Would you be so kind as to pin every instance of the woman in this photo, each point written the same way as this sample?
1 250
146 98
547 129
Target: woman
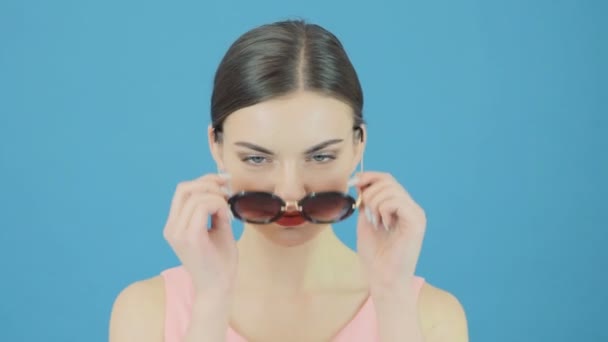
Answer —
287 126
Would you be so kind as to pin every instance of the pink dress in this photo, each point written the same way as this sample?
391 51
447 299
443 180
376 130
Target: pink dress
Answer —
179 299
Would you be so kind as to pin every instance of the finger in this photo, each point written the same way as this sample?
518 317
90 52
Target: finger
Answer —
210 200
365 179
221 228
196 232
183 196
208 183
374 203
207 206
401 211
384 183
197 228
388 211
375 188
371 192
177 227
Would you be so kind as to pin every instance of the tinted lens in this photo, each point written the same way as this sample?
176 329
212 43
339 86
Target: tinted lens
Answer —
256 207
327 207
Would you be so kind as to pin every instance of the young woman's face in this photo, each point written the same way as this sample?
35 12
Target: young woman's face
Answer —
290 146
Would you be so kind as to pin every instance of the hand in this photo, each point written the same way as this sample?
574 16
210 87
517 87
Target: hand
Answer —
210 256
390 230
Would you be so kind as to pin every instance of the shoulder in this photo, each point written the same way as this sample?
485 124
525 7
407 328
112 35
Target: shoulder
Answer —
136 309
442 315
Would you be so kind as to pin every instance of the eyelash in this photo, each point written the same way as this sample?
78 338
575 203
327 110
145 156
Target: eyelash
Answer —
326 157
249 159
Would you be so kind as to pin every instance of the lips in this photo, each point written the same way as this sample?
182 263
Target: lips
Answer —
290 220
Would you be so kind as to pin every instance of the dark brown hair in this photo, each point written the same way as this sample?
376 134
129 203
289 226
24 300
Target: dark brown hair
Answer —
277 59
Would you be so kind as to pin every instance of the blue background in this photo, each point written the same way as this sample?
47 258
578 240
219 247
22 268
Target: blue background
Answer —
492 114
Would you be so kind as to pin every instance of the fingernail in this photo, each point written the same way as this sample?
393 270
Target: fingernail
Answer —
225 175
385 226
352 181
230 216
371 218
226 191
368 215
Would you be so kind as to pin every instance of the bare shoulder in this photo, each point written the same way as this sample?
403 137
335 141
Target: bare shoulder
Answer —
138 312
442 315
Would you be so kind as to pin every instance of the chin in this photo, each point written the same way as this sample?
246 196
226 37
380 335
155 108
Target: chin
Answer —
290 236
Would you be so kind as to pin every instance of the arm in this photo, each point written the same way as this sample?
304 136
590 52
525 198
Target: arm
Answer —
210 312
397 314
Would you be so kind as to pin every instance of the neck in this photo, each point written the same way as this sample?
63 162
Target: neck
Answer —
321 264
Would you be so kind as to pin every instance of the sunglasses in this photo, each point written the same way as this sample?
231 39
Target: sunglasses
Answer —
317 207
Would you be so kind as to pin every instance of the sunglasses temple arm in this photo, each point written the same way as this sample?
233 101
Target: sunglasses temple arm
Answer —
358 202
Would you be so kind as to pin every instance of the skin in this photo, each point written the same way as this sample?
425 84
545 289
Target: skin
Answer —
309 282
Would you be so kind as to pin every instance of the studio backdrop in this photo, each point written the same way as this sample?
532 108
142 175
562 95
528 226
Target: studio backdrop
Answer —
492 114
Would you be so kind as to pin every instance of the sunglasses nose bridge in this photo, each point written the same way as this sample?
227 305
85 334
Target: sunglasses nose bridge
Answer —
291 206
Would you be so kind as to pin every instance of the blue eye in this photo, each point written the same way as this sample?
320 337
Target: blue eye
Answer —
322 158
255 160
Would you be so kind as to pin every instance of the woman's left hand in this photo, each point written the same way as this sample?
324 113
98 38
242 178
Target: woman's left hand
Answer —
390 230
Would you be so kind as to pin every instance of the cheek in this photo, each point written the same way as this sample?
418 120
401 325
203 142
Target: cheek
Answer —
244 178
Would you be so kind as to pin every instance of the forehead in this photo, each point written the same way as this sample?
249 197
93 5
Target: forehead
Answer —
303 117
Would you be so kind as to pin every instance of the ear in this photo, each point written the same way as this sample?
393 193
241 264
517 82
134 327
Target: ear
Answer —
215 146
360 144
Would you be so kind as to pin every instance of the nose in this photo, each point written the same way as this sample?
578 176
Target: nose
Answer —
289 185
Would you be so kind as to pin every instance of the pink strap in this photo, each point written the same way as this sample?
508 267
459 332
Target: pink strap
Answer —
364 327
179 296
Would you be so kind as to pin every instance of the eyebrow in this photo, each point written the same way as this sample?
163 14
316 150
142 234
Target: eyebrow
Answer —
323 145
313 149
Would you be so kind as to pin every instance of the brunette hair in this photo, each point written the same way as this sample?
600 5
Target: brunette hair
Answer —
276 59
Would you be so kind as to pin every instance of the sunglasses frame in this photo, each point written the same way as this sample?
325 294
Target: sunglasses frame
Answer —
296 205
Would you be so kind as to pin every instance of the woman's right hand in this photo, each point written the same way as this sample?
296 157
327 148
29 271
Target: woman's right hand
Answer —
209 255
